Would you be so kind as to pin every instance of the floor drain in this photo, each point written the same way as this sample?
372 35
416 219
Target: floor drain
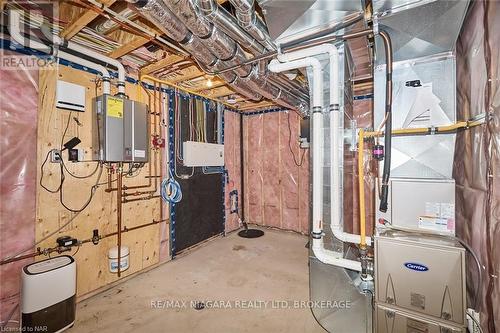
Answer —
199 306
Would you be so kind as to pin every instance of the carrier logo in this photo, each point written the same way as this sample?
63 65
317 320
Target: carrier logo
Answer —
416 267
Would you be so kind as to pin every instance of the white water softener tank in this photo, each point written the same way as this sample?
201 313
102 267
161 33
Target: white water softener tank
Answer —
113 259
48 295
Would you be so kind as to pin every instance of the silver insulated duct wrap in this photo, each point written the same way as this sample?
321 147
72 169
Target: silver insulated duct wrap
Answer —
249 21
187 22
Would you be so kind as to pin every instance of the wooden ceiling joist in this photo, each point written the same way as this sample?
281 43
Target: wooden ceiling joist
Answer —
81 21
188 74
255 106
165 62
220 92
128 47
203 86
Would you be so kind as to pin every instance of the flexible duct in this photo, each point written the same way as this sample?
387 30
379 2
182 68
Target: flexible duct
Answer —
249 21
218 44
225 21
161 16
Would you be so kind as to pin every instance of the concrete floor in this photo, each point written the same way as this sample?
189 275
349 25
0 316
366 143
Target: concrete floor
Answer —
238 275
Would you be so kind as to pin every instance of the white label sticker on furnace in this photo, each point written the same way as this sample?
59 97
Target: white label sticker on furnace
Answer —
139 153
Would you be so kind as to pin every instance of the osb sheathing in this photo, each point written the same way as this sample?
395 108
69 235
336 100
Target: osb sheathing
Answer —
232 161
477 155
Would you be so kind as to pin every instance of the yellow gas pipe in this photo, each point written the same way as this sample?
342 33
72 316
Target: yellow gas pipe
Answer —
404 131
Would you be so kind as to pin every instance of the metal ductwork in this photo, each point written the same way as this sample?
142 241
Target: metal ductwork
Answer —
226 22
251 22
187 22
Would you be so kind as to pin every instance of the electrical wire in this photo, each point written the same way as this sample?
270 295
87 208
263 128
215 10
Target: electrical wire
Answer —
43 239
299 164
170 189
475 322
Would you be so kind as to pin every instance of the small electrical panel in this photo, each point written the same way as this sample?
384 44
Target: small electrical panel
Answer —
203 154
121 130
304 139
70 96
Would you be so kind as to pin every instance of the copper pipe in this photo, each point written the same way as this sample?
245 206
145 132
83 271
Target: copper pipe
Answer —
60 249
119 214
141 199
125 229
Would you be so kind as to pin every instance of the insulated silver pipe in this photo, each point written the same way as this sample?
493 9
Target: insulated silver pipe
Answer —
251 22
225 21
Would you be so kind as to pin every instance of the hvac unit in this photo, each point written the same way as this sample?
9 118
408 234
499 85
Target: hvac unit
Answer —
48 295
121 130
423 276
421 205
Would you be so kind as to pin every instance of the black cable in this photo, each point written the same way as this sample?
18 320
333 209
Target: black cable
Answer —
299 164
384 195
78 176
41 176
91 196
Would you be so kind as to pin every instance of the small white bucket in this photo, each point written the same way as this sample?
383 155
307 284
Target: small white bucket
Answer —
113 259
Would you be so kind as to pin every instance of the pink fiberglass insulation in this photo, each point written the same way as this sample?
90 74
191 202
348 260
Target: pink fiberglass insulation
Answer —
18 128
276 189
232 162
477 154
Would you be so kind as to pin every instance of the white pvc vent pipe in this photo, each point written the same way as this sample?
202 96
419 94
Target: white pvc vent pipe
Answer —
300 59
15 33
336 227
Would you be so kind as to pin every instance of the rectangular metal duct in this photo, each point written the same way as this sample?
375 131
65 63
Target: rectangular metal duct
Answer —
292 19
419 28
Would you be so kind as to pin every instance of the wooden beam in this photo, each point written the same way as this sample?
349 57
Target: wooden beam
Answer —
188 74
81 21
165 62
203 86
220 92
255 106
128 47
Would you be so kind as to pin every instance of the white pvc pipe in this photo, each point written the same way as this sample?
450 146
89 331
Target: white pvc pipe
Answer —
336 227
322 254
15 33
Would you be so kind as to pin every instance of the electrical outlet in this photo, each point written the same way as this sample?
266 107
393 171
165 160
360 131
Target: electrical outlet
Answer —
471 325
55 156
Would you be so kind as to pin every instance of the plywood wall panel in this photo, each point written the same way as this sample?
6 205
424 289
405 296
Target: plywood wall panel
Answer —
101 213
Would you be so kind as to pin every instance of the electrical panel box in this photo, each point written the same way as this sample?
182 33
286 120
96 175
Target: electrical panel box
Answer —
421 274
393 320
421 204
70 96
121 130
202 154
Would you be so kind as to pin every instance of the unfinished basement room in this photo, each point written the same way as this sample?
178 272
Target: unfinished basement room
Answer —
250 166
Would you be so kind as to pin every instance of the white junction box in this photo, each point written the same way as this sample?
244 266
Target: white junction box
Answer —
70 96
202 154
421 204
